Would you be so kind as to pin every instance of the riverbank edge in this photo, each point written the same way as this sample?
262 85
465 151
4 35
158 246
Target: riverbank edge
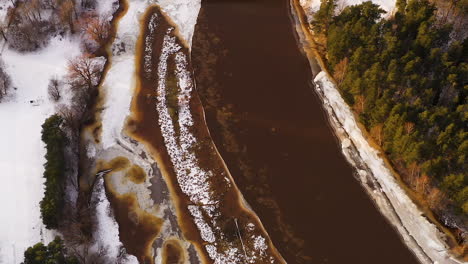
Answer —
368 180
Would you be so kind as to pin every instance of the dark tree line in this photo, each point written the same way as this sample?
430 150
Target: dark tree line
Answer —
54 172
407 79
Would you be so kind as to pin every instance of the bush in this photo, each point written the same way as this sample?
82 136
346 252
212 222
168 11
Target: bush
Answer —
54 173
53 253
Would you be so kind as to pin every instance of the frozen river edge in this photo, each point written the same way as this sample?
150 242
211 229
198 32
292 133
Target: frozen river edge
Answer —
421 236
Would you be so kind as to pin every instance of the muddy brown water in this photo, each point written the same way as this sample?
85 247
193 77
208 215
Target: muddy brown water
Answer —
144 127
272 132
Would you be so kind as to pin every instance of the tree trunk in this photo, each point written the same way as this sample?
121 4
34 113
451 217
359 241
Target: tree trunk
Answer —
3 35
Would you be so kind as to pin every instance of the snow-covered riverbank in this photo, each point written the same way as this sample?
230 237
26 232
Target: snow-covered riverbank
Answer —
424 238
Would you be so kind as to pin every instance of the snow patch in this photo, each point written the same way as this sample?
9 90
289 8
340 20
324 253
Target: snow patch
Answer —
184 13
107 230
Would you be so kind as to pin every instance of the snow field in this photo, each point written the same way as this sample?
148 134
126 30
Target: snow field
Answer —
22 151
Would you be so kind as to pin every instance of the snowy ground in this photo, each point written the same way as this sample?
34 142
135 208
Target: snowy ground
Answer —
22 152
184 14
107 229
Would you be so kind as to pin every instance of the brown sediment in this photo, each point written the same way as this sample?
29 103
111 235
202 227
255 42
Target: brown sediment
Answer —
173 253
116 164
272 132
138 229
144 127
136 174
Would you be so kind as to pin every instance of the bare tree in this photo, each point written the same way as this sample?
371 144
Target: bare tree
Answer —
359 106
436 199
376 133
84 72
422 184
68 14
96 29
409 127
3 28
54 89
71 119
340 70
5 81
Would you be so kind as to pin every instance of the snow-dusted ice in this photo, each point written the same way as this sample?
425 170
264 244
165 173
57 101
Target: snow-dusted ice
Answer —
107 230
119 82
184 14
22 151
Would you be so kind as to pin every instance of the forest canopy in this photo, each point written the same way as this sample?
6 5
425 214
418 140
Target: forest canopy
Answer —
406 78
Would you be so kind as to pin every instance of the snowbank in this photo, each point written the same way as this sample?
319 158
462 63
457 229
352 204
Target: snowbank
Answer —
22 152
421 236
106 9
184 14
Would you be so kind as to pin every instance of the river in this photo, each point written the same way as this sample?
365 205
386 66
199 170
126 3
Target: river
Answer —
272 132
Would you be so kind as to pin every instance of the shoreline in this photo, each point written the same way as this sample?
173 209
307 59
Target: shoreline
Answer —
373 171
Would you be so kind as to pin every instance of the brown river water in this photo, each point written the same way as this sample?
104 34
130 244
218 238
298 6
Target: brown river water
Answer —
273 134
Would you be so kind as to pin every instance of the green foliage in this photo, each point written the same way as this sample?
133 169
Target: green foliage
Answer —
54 169
413 82
53 253
324 15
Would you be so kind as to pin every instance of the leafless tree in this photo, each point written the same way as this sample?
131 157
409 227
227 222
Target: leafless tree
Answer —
377 133
71 120
5 81
95 29
54 89
27 28
84 72
3 28
68 14
340 70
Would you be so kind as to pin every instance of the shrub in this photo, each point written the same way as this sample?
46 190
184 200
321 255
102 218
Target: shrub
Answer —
54 252
54 171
